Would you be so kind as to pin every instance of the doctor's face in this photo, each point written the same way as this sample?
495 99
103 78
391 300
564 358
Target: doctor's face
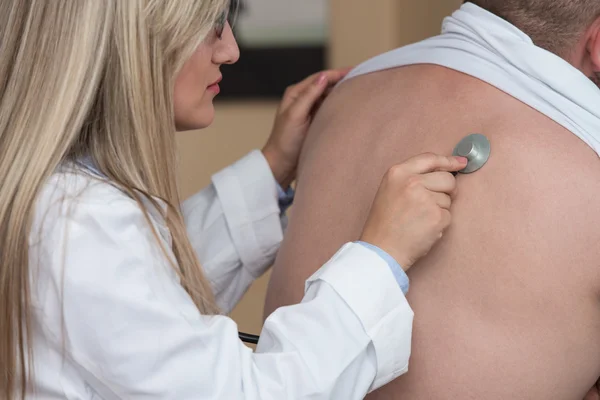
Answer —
198 81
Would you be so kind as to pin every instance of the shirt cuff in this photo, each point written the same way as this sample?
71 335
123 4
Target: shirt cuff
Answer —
397 270
285 198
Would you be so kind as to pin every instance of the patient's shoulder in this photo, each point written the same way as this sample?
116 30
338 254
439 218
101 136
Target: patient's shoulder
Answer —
535 165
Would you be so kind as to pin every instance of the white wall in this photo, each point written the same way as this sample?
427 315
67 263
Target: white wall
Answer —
269 22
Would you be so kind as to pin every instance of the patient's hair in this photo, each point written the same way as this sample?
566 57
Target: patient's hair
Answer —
554 25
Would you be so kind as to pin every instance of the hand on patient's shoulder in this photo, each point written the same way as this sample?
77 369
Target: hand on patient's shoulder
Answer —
292 121
411 209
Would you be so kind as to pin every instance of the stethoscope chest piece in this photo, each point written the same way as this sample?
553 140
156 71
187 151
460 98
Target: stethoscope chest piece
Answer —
476 148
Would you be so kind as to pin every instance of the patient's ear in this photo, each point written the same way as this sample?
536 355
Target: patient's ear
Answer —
591 65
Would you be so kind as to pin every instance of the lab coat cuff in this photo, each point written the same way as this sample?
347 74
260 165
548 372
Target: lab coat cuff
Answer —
397 270
369 288
248 195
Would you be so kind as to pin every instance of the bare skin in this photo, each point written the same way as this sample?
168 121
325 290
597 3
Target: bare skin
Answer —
507 304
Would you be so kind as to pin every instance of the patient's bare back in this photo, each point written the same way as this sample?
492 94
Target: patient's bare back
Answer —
507 306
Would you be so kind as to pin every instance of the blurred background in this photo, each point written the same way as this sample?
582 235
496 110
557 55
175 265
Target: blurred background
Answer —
281 42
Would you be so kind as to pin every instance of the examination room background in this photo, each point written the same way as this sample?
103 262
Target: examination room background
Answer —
356 30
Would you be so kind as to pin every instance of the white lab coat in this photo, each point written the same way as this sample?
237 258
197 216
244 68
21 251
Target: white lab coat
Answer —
111 320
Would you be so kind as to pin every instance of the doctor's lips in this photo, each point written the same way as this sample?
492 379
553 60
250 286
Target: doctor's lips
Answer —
214 87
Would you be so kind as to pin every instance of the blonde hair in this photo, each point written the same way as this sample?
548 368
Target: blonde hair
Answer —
94 78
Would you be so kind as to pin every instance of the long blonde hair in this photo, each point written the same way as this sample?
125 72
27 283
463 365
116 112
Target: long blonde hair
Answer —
93 78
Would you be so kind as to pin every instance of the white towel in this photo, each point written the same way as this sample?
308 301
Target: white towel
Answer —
483 45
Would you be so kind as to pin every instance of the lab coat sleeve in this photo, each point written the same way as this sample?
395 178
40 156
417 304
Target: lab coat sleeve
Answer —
236 227
134 333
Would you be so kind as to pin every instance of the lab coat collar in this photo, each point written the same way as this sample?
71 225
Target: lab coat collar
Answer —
87 164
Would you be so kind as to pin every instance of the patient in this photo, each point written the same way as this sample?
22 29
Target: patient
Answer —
507 306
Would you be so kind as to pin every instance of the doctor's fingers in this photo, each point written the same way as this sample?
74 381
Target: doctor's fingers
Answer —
306 102
332 76
327 78
443 200
431 162
442 182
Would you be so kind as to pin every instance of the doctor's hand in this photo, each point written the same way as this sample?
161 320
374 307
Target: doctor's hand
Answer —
411 209
294 116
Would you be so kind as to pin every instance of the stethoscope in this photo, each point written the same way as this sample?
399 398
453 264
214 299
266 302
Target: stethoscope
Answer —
475 148
248 338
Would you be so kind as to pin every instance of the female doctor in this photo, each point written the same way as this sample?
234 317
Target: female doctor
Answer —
110 289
